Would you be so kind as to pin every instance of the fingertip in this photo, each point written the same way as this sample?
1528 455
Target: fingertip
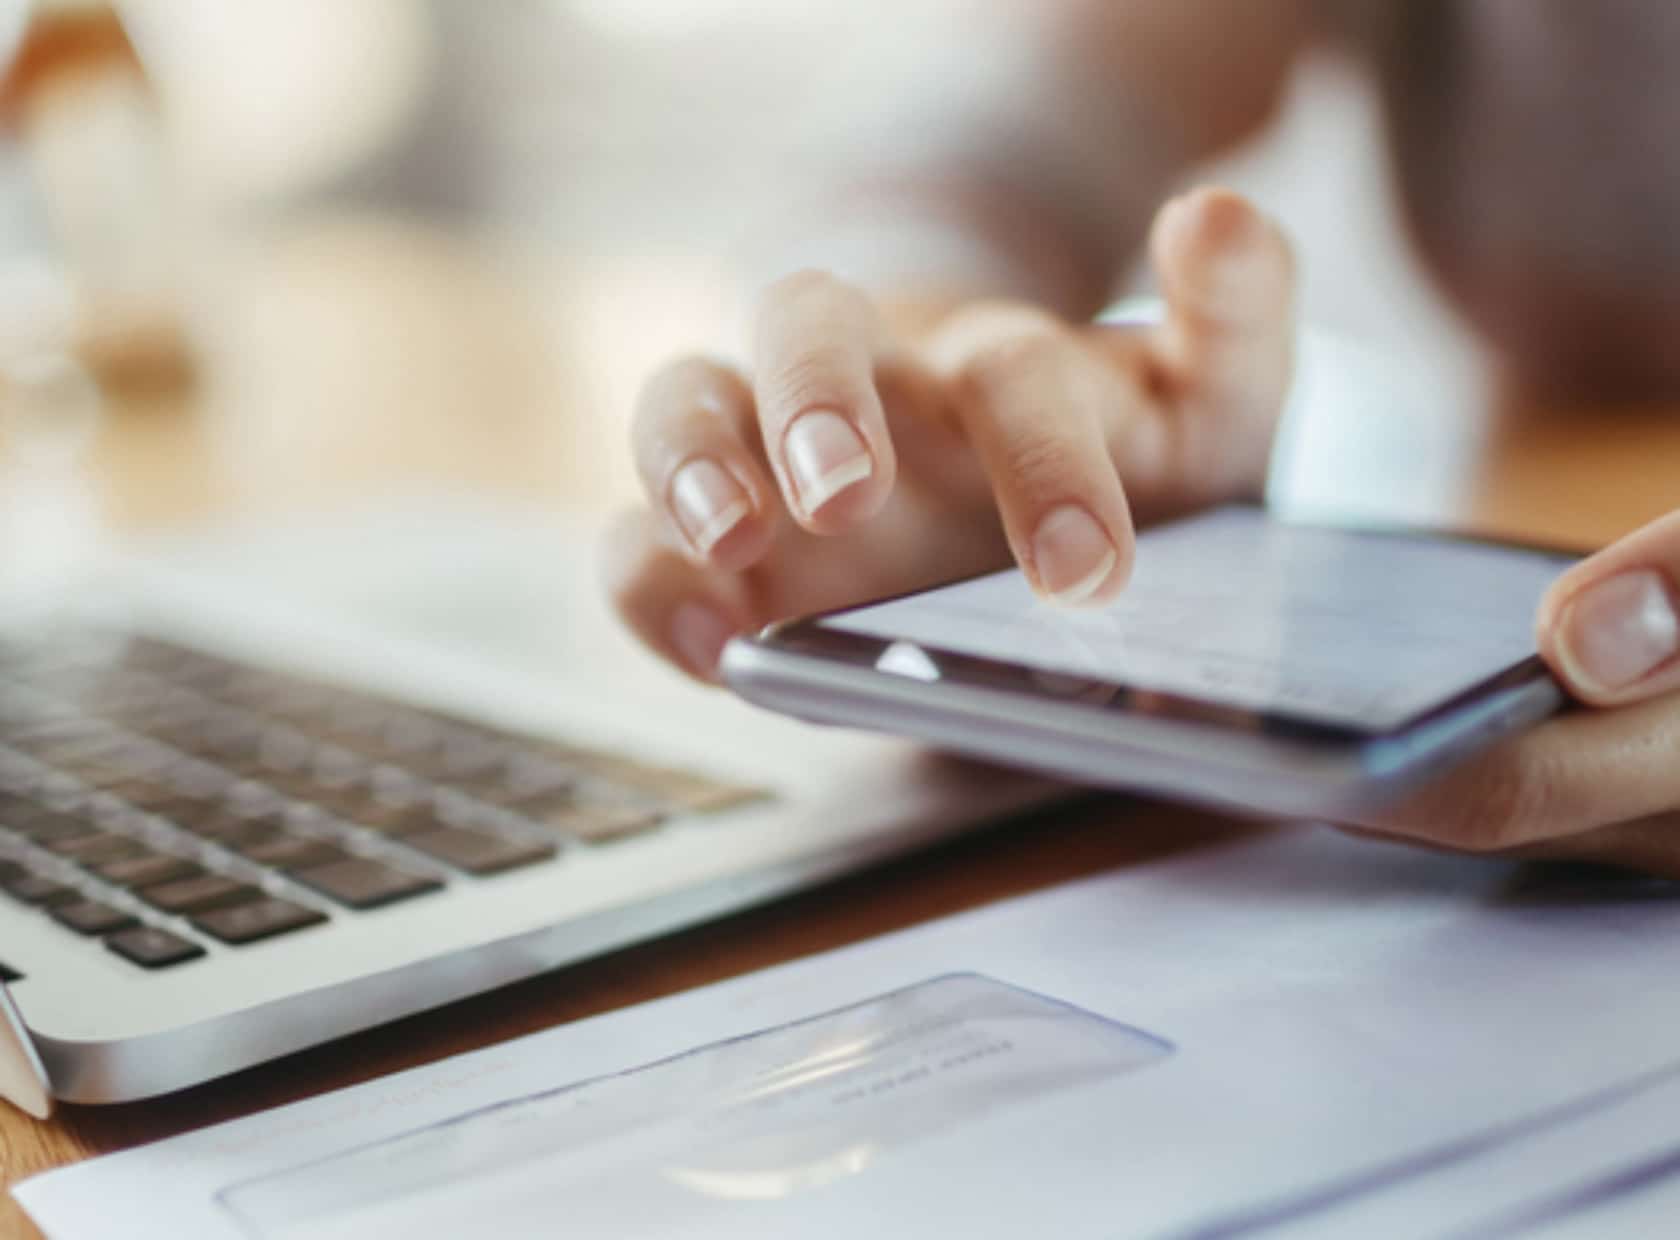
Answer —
741 547
817 343
1546 626
716 509
1125 564
698 635
693 435
1205 222
1074 560
1218 255
837 475
676 610
1217 218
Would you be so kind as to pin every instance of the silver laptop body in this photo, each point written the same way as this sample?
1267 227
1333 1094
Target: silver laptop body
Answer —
274 786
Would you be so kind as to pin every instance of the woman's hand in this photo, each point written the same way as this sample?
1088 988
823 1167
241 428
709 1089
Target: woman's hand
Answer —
1594 784
854 462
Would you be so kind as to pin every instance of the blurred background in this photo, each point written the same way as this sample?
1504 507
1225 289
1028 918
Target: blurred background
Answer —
297 252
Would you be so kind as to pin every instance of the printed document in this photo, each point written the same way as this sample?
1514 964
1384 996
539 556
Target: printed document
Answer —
1296 1034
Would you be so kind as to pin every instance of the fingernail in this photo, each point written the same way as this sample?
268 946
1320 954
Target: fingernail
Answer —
1072 555
708 502
1619 631
699 634
824 456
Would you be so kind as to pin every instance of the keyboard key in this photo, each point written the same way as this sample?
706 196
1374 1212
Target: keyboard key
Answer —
51 827
238 830
594 823
147 870
195 895
293 852
80 752
114 766
334 765
146 793
102 749
454 753
153 948
261 919
185 809
229 734
160 714
40 891
96 848
363 882
407 737
478 852
468 751
284 750
91 917
400 821
523 779
60 738
350 802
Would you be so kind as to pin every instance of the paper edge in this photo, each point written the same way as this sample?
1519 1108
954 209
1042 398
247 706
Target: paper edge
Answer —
23 1077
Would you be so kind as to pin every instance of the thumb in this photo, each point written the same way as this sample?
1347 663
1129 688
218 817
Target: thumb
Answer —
1610 627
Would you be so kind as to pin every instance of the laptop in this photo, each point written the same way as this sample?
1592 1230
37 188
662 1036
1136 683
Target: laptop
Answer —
267 786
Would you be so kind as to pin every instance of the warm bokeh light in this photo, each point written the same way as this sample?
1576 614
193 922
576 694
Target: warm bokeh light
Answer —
272 97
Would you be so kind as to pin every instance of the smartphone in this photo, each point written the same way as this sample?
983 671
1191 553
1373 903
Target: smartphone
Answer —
1251 664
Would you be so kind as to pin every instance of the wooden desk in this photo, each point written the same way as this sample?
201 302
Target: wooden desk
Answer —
471 397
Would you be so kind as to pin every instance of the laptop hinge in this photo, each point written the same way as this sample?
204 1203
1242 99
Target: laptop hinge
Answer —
23 1079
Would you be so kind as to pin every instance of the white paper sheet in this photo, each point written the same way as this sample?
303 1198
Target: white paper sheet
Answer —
1345 1025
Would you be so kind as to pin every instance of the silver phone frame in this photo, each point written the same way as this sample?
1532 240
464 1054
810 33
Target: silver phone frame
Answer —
1227 766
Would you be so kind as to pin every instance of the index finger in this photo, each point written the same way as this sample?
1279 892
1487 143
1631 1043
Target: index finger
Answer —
824 429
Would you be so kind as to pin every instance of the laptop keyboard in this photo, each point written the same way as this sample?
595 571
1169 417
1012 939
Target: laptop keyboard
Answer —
170 802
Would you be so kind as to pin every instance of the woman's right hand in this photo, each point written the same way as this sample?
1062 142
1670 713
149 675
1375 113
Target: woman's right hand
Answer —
852 463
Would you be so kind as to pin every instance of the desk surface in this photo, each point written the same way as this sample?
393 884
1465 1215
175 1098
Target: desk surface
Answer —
430 399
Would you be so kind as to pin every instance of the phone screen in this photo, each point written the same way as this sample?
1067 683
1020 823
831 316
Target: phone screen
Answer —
1357 630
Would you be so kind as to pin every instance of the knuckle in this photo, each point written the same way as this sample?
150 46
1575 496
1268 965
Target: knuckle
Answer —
1038 462
986 320
816 377
999 360
973 328
1005 363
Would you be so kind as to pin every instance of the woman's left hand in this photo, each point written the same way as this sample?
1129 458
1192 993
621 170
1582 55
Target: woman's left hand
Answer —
1596 784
